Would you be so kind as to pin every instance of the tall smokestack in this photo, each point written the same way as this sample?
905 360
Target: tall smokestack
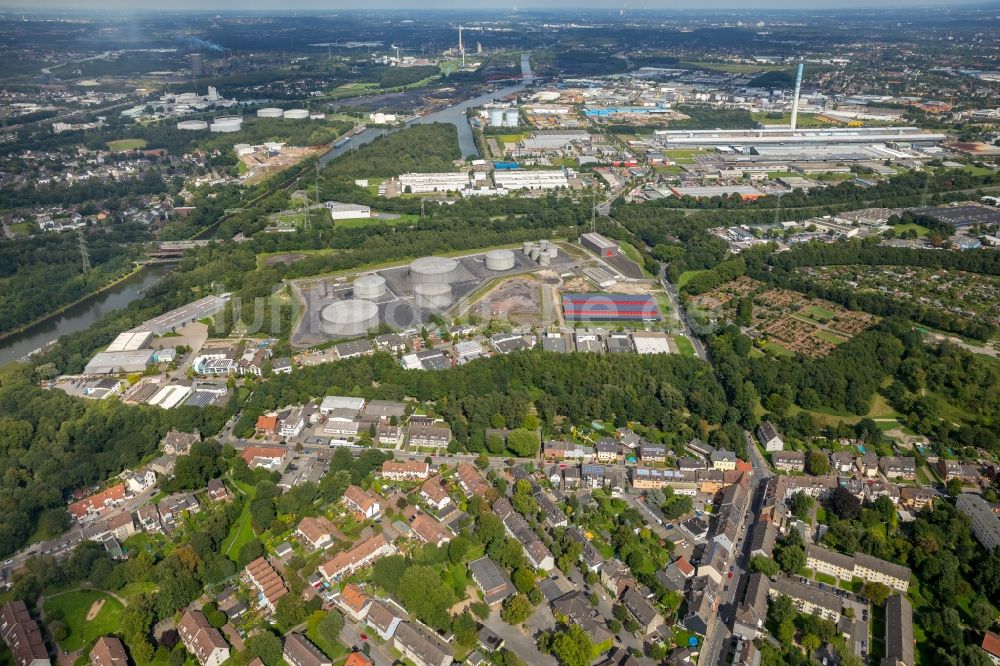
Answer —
795 102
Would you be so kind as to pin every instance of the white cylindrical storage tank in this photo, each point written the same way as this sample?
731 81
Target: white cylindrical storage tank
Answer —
192 125
432 295
427 270
535 252
369 286
553 252
543 260
295 114
270 112
543 244
227 124
511 119
496 117
350 317
499 260
526 247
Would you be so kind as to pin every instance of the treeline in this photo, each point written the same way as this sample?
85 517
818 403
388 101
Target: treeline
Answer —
45 272
392 77
714 277
782 273
52 444
707 117
671 392
150 182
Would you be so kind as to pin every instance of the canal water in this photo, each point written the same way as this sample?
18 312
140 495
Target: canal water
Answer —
81 315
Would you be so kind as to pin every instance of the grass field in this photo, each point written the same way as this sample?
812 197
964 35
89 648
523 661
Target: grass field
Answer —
818 312
359 222
921 230
241 533
126 144
684 156
73 606
805 120
685 277
684 346
20 228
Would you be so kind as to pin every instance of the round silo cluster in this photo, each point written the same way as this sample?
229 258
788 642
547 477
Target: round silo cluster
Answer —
499 260
270 112
432 295
436 270
542 252
295 114
350 317
369 287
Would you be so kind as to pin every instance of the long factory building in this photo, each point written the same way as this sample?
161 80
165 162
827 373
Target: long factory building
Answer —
788 137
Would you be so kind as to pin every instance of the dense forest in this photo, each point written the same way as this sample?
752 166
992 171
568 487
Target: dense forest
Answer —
672 393
51 445
430 147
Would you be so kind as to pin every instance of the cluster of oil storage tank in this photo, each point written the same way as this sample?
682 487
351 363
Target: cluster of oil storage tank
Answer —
542 252
290 114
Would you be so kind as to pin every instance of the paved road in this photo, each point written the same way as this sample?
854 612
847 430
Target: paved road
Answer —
350 636
675 302
523 645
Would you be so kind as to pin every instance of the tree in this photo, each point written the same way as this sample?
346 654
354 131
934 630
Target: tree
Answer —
480 609
801 505
791 559
572 646
765 565
523 442
876 593
817 463
267 646
811 643
844 504
676 506
524 580
516 609
464 627
330 626
249 552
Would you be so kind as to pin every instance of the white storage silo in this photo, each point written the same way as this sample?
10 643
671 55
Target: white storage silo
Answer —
526 247
350 317
369 286
192 125
543 245
427 270
499 260
227 124
270 112
432 295
553 251
535 252
544 259
295 114
511 119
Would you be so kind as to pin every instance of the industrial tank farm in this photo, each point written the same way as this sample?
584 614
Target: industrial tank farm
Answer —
433 295
427 270
349 317
369 287
500 260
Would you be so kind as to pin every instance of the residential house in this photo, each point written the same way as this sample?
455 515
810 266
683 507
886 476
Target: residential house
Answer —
354 602
985 522
904 467
122 526
426 528
217 491
991 646
616 576
899 632
293 424
472 482
769 437
388 435
516 526
384 617
98 503
556 449
434 493
22 635
842 463
201 639
267 425
268 457
316 533
179 443
433 436
407 470
269 585
361 555
108 651
688 464
916 498
607 451
637 604
298 651
723 460
676 575
421 646
652 453
149 518
868 465
491 580
864 566
789 461
364 503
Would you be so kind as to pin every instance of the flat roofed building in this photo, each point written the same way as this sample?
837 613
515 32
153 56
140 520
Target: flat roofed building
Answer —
491 580
985 523
600 245
610 307
650 342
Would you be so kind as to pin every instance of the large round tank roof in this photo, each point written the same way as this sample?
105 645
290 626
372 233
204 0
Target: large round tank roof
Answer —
433 266
192 125
369 286
432 289
499 260
351 311
296 114
270 112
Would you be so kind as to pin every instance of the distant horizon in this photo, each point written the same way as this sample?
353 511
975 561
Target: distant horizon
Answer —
456 6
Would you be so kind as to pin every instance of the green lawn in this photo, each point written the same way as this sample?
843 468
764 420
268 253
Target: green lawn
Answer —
359 222
685 277
126 144
73 607
921 230
776 350
827 336
241 533
818 312
684 346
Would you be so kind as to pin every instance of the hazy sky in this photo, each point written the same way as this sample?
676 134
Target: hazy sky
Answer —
493 6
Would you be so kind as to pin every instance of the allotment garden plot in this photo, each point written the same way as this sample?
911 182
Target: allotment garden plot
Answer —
963 294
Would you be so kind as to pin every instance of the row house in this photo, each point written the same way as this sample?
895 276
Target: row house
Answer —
433 436
864 566
435 493
201 639
364 503
361 555
269 585
904 467
516 526
407 470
